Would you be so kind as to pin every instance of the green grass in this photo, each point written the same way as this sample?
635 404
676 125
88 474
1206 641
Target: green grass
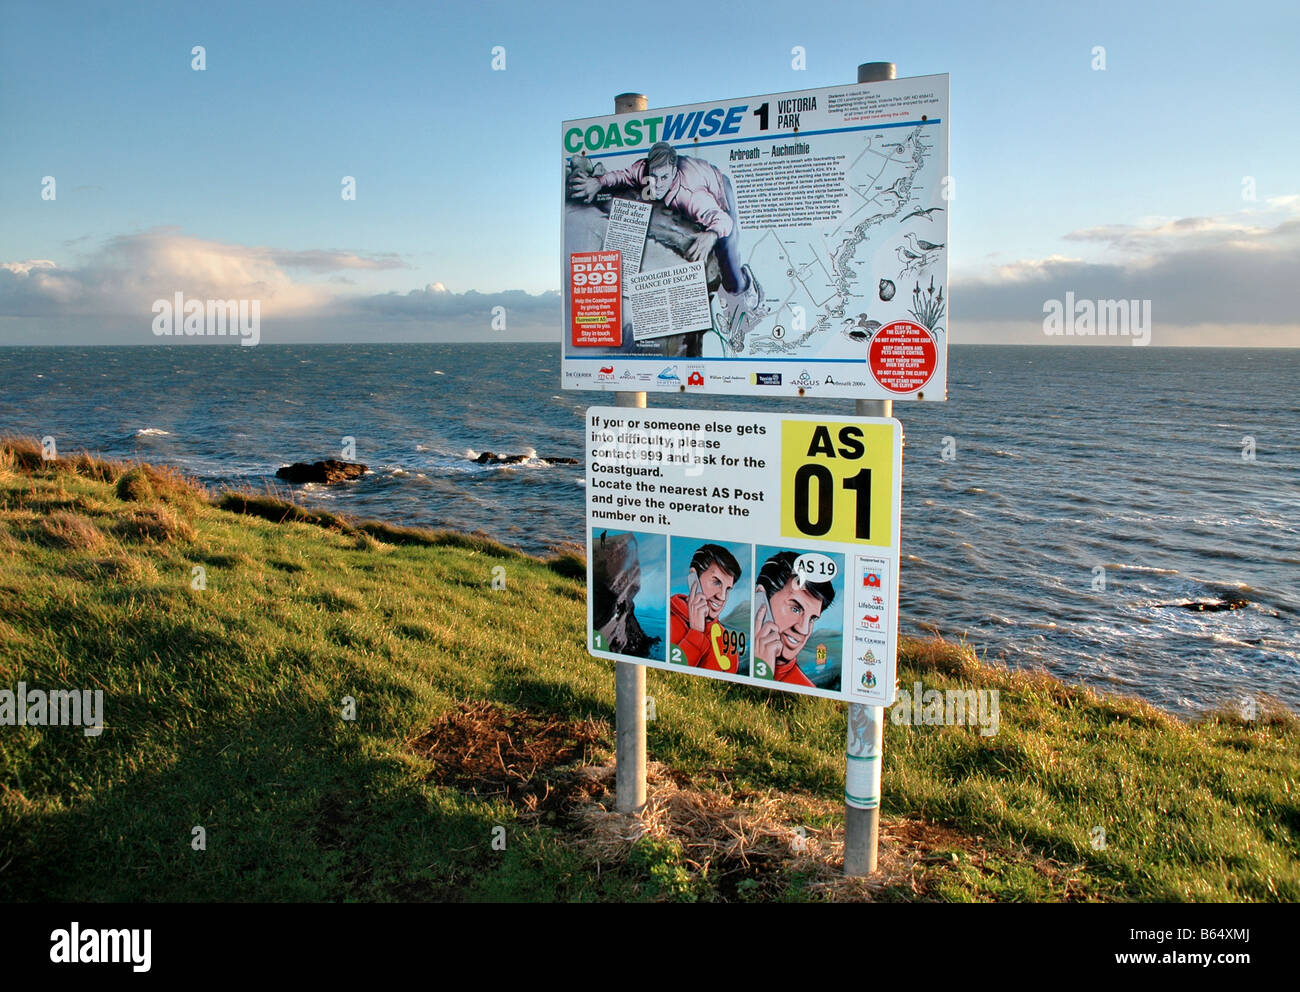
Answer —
223 709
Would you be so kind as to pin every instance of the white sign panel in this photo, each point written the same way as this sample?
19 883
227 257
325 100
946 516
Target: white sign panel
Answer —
750 547
789 244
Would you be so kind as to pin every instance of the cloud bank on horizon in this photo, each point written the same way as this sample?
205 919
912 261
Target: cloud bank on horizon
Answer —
108 296
1223 280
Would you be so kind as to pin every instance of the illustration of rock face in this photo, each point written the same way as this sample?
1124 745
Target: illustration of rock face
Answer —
616 579
667 238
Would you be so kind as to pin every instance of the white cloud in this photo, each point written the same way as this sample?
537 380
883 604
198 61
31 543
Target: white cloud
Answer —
332 261
127 273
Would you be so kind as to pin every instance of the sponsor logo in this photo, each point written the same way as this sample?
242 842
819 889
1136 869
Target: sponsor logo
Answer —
669 374
696 378
868 680
871 579
804 380
606 374
627 374
765 378
607 370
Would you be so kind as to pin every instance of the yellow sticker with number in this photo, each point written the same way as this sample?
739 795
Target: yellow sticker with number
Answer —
837 481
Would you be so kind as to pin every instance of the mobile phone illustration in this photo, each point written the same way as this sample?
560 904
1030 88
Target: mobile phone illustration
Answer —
762 614
762 609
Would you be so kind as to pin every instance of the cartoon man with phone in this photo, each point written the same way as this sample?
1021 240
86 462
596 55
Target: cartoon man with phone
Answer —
697 635
785 610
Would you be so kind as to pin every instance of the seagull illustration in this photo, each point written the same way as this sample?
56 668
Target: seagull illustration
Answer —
907 256
925 214
919 245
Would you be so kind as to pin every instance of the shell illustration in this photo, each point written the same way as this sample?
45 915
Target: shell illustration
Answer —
886 290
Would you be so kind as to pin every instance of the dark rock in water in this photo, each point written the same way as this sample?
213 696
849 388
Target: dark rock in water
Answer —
1224 602
616 579
329 471
492 458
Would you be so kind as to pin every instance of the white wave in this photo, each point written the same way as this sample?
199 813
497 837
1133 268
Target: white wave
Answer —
152 432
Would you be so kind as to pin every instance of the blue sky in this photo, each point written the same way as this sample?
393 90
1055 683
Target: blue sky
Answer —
1063 173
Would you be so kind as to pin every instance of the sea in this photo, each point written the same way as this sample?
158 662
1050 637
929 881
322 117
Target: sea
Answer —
1056 509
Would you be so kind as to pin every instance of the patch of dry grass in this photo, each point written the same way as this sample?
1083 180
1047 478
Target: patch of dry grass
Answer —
154 525
71 531
135 487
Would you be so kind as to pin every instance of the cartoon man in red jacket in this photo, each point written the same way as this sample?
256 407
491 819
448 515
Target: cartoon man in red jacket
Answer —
783 626
694 626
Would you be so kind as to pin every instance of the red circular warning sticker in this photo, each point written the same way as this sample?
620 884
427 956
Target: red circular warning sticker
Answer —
902 356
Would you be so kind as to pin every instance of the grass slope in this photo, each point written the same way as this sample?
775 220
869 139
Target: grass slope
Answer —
224 709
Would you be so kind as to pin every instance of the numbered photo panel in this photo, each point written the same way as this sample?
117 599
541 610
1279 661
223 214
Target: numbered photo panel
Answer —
798 617
629 579
711 585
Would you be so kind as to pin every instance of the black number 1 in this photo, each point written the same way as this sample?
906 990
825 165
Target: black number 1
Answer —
861 483
761 114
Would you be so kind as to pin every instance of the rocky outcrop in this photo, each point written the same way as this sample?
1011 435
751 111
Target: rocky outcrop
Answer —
329 471
616 579
1224 602
492 458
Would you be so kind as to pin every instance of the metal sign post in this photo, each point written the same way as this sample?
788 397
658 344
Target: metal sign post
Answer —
629 679
866 724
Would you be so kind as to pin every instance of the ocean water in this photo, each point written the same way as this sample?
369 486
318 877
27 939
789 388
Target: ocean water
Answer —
1086 488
